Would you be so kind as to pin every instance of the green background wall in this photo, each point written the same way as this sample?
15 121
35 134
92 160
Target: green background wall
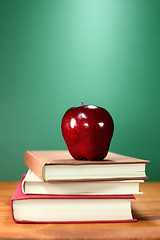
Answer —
54 54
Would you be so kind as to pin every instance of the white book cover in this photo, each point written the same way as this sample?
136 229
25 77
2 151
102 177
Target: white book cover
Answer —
32 184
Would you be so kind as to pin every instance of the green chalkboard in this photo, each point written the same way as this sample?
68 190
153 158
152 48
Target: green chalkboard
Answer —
54 54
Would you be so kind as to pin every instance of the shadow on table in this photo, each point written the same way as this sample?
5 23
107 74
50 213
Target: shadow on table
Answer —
140 217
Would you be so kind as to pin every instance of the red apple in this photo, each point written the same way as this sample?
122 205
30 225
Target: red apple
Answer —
87 131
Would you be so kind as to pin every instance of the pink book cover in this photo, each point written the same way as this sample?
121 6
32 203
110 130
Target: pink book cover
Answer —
38 160
19 195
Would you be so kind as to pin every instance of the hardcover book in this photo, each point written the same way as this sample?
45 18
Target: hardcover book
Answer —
34 185
60 166
70 208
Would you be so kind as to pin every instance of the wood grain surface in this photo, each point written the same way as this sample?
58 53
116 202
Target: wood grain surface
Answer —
146 208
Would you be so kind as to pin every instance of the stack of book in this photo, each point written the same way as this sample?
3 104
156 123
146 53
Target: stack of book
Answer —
58 188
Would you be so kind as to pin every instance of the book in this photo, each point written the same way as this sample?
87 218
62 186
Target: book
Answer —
70 208
60 166
34 185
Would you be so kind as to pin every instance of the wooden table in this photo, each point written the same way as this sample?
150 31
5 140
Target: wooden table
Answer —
146 209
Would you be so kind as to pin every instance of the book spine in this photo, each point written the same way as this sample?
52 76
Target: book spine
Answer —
34 163
11 207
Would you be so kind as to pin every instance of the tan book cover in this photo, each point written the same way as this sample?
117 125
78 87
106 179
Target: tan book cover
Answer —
38 160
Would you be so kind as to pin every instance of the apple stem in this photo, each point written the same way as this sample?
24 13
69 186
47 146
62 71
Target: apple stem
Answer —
82 103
